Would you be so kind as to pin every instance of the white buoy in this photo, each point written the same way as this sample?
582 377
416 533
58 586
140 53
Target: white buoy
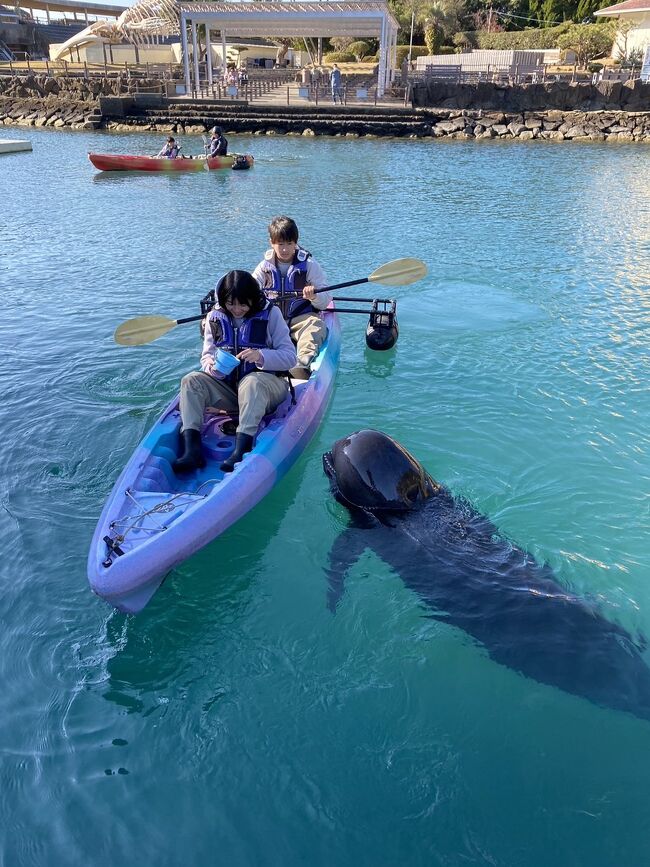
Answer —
10 146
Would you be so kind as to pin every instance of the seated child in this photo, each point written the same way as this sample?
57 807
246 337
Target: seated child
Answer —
287 268
246 325
170 149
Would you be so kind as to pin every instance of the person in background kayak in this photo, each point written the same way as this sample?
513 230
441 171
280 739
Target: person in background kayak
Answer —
218 143
245 324
170 149
287 268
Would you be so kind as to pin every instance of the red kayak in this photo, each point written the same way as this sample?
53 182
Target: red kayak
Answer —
127 163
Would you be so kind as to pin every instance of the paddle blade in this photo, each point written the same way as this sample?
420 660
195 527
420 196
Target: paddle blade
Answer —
144 329
400 272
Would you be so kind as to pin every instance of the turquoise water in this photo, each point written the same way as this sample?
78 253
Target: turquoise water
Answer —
236 721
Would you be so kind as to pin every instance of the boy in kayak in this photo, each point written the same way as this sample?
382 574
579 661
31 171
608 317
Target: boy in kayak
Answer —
286 269
245 324
218 143
170 149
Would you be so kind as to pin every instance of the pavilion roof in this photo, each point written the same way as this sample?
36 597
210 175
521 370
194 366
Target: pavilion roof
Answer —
293 18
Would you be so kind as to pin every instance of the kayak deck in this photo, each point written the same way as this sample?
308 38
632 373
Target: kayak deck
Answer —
154 520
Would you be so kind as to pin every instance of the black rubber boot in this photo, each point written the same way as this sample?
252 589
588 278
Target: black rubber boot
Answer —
192 458
243 444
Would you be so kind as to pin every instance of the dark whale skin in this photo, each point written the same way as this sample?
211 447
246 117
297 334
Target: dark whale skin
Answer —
466 574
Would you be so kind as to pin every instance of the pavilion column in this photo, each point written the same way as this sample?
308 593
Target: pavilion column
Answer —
392 60
47 13
186 56
381 72
208 52
223 54
195 53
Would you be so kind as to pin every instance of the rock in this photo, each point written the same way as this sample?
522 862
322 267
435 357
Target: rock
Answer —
516 128
500 129
308 132
526 135
574 132
447 126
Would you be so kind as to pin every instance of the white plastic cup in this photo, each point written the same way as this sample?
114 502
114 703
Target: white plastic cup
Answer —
225 362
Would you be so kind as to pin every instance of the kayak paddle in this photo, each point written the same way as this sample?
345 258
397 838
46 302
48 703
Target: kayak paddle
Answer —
146 329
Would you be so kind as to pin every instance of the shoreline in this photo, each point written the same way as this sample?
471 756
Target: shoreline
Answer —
558 112
421 124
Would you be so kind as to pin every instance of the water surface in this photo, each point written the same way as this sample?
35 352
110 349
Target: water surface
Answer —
236 720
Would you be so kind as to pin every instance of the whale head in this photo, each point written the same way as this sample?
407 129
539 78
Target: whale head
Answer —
371 471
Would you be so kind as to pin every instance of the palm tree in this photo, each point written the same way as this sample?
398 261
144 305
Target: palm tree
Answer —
440 18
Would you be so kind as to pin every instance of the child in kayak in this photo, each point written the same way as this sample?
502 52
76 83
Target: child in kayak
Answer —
170 149
245 324
287 268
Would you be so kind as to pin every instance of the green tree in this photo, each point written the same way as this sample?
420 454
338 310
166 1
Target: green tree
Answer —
588 41
360 49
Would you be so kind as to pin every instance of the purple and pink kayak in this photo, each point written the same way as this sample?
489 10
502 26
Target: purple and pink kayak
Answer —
127 163
153 520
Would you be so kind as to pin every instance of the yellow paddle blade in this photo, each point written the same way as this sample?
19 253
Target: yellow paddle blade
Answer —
144 329
400 272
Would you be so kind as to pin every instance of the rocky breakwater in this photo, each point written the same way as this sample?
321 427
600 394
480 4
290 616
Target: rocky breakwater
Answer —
58 101
552 125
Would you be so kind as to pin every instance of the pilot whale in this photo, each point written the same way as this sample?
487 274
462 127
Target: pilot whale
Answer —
469 576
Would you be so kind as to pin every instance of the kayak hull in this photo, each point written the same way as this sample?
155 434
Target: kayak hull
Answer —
127 163
168 518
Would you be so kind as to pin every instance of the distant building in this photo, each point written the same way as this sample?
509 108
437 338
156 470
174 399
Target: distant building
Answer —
638 13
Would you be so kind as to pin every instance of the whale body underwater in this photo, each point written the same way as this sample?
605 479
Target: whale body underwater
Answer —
469 576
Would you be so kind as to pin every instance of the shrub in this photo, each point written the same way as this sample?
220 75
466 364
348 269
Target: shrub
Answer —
416 51
359 49
520 40
339 57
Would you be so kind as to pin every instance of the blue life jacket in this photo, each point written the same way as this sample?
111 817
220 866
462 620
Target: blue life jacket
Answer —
250 335
276 287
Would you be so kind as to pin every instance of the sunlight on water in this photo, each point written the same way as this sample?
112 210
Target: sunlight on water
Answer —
236 715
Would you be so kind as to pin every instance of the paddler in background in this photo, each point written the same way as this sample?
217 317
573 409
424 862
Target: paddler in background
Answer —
170 149
218 143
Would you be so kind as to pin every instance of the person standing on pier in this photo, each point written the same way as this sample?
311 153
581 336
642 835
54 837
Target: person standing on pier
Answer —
335 82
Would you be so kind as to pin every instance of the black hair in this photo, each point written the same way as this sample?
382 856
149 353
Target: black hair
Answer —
170 138
243 287
283 229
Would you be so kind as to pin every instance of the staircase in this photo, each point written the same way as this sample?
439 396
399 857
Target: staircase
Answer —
6 54
326 119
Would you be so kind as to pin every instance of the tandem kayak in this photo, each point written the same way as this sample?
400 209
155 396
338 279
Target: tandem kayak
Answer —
153 519
127 163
